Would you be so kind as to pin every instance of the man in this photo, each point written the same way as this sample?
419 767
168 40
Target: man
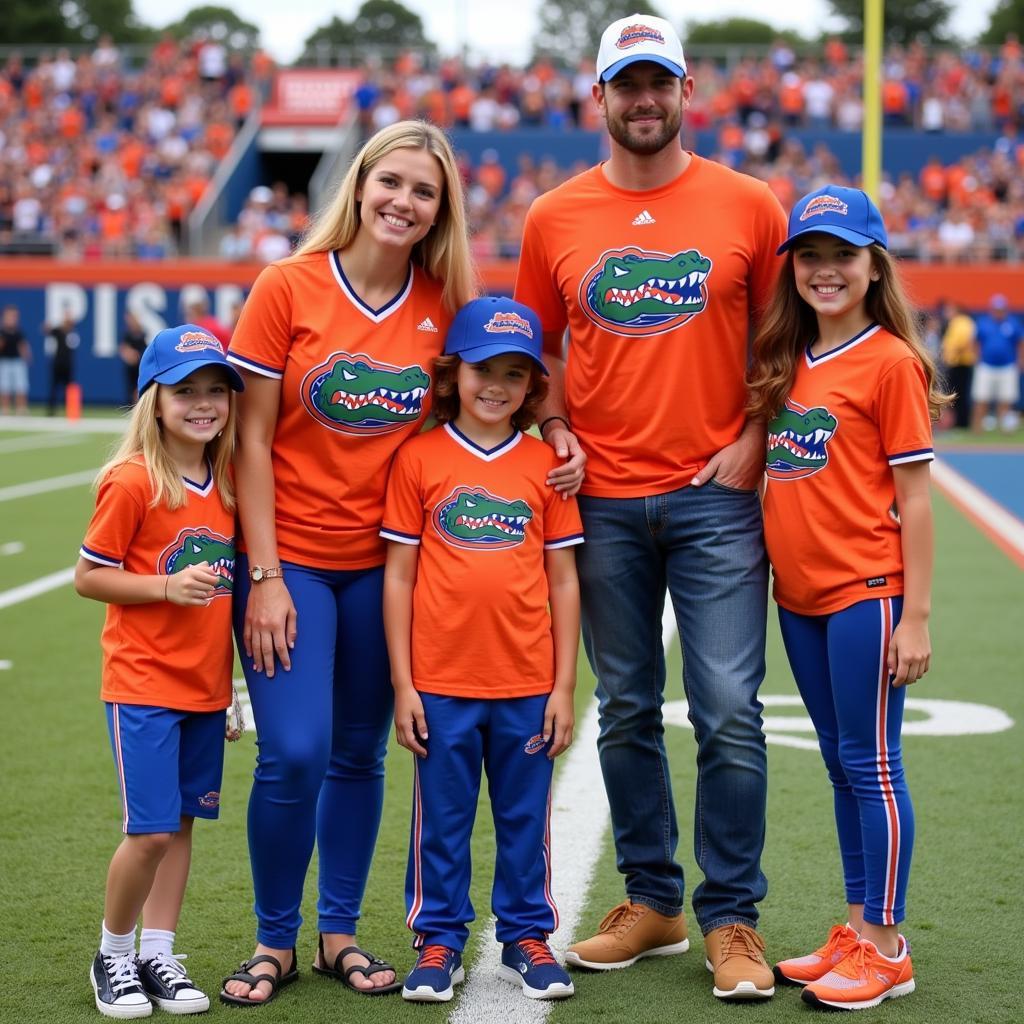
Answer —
15 356
60 342
656 261
997 374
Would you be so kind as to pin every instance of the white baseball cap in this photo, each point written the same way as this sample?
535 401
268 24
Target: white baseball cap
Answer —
639 37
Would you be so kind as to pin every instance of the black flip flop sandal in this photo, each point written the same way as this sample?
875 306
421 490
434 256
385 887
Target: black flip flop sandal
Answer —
244 974
375 966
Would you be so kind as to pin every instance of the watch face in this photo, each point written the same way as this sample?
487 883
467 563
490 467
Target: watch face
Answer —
257 574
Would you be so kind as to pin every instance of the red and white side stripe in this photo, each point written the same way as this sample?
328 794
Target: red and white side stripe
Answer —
892 856
119 759
548 895
417 837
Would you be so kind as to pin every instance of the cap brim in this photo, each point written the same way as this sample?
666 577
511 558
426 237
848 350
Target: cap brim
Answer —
612 70
182 370
853 237
482 352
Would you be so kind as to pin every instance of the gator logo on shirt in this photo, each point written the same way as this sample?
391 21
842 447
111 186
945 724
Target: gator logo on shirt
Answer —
473 519
197 544
798 441
355 394
637 294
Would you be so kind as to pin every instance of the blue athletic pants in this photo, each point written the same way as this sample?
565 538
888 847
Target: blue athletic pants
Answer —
322 733
503 736
839 662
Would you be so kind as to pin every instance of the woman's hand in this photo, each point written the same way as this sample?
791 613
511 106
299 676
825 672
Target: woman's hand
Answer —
910 651
271 624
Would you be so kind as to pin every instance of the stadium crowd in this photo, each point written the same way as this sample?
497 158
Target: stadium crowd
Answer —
99 160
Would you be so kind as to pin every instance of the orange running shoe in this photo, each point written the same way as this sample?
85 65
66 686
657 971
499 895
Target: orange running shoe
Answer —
863 979
801 970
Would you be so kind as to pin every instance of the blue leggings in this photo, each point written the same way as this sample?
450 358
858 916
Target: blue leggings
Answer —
322 733
839 662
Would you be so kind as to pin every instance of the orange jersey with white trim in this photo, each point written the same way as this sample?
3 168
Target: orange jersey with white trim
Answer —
482 520
830 523
355 383
161 654
658 289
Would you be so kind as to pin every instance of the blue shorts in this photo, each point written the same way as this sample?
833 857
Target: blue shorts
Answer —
169 764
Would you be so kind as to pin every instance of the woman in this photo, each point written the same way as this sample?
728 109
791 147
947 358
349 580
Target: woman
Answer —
334 343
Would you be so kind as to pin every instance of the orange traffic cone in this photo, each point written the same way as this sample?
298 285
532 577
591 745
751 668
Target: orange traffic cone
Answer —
73 402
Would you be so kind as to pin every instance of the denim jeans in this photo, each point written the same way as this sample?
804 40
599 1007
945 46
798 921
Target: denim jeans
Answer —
704 545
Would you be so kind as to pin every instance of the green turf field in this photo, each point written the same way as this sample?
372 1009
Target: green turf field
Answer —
61 821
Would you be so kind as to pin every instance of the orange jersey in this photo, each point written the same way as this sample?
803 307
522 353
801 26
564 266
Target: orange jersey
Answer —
482 520
832 533
657 289
355 384
161 654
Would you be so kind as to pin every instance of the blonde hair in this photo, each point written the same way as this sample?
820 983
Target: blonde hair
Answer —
444 252
145 437
789 325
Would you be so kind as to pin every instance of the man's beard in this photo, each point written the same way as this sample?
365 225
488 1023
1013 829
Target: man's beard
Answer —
646 145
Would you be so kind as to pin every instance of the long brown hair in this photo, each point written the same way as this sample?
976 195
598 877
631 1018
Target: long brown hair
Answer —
790 325
444 252
445 388
145 437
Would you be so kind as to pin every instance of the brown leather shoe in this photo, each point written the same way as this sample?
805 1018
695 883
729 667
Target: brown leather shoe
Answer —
735 953
628 933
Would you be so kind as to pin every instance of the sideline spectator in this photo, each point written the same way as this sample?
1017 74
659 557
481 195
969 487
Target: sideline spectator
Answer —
996 377
198 312
133 344
959 353
15 356
60 342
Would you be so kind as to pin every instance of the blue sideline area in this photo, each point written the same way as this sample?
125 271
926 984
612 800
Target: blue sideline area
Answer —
999 474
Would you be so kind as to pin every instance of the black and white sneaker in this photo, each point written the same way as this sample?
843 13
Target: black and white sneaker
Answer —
119 993
166 982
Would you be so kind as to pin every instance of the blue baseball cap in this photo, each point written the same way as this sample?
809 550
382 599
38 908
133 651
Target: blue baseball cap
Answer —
178 351
494 326
847 213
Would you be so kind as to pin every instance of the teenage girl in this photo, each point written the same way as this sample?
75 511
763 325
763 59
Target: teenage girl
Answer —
160 551
849 393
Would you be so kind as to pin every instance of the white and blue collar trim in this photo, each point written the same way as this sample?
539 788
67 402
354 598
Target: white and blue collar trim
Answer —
203 489
376 315
868 331
487 454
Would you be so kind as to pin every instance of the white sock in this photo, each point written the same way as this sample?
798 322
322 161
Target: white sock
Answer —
153 941
116 945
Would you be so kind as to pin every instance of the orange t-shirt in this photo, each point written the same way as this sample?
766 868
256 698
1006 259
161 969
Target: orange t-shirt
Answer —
658 289
161 654
482 519
355 383
853 413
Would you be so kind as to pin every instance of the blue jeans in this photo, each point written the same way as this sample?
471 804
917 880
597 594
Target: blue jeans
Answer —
704 545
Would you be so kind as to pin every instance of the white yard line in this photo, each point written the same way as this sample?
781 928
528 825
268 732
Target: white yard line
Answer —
579 821
40 586
55 425
23 444
53 483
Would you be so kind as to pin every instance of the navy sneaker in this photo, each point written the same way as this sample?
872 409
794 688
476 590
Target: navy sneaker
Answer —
529 963
437 970
169 986
119 993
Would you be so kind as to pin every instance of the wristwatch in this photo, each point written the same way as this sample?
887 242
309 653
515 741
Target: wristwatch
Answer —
258 574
